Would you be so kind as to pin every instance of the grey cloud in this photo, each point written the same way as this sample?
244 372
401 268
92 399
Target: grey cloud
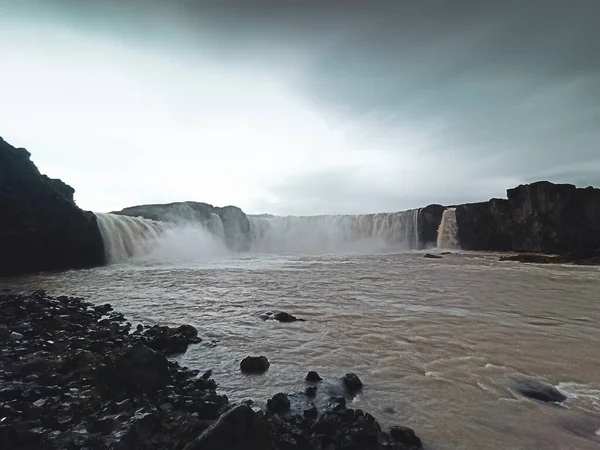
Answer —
505 90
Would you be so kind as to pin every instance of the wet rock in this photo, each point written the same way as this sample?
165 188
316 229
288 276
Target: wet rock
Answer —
337 403
352 382
240 428
313 377
14 336
406 436
139 327
139 368
280 316
311 412
254 364
311 391
432 256
279 403
140 432
540 391
170 341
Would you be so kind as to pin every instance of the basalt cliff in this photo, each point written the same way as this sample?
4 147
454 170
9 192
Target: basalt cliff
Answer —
540 217
41 227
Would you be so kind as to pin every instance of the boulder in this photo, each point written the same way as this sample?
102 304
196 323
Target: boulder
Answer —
254 364
432 256
406 436
313 377
540 391
44 229
170 341
240 428
352 382
279 403
137 369
280 316
311 391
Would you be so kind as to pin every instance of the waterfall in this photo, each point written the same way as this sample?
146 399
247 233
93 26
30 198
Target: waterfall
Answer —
448 230
134 238
125 237
331 233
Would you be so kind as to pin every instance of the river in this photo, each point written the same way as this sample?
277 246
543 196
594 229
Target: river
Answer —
438 343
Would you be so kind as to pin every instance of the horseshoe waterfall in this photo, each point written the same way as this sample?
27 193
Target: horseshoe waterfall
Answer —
188 232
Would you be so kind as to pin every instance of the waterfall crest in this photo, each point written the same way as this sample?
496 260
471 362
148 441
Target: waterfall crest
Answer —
448 230
126 237
129 238
329 233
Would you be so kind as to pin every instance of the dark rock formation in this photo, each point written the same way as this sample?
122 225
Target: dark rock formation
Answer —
429 221
405 435
240 429
540 391
432 256
311 391
280 316
313 377
236 225
254 364
279 403
540 217
71 380
352 382
41 228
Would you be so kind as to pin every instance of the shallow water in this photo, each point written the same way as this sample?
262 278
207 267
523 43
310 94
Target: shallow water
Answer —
437 343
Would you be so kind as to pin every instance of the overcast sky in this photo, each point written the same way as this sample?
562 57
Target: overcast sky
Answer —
302 107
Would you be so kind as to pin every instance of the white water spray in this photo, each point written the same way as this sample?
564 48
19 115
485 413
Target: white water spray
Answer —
448 230
318 234
137 239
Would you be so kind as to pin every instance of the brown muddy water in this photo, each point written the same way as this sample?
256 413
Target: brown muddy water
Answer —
437 342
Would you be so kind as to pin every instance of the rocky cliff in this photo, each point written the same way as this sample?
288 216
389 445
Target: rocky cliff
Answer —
429 221
539 217
235 224
41 228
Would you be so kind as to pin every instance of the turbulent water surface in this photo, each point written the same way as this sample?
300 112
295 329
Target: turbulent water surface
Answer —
437 343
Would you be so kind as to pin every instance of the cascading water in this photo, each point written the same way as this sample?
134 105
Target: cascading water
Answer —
448 230
317 234
134 238
125 237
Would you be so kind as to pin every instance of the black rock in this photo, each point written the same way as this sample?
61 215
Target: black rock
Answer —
406 436
352 382
311 412
311 391
139 368
432 256
46 230
240 428
282 316
337 403
254 364
313 377
206 375
279 403
540 391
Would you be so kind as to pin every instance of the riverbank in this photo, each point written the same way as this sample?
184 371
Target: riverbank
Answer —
77 375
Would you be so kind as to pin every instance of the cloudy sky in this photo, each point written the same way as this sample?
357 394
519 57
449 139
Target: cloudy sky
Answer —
302 107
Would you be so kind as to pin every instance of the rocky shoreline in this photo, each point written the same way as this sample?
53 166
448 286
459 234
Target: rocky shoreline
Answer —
76 375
